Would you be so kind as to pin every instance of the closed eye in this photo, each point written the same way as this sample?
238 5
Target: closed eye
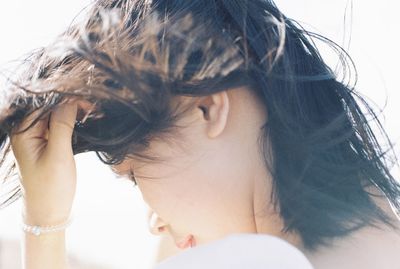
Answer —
132 177
127 174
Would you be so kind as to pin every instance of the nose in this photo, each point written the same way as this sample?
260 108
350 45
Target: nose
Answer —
156 225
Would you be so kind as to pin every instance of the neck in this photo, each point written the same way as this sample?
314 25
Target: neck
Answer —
271 223
267 219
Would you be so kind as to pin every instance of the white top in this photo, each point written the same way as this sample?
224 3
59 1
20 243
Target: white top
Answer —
253 251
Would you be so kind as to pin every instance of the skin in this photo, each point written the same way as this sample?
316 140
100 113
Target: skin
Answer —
212 183
47 171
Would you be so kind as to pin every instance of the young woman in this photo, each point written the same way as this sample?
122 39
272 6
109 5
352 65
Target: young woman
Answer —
241 139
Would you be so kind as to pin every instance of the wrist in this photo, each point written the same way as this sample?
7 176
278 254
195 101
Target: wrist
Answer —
41 229
32 217
48 213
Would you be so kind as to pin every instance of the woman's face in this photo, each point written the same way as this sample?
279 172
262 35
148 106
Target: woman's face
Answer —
204 186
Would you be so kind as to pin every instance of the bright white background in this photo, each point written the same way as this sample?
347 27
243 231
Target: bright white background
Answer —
110 227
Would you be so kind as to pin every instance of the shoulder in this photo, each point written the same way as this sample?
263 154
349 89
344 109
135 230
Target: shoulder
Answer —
240 251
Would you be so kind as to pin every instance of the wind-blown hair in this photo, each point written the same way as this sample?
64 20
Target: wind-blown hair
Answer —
132 59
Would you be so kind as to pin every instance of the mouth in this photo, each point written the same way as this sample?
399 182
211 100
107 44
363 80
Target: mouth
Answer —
186 242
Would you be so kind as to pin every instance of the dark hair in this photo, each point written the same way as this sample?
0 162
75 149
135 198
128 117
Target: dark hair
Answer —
132 58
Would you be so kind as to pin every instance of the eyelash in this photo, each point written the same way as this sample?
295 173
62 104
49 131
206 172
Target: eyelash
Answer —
132 177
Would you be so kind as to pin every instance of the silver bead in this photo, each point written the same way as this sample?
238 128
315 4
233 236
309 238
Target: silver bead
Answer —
36 230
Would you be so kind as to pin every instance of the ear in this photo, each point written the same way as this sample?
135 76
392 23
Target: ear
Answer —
215 108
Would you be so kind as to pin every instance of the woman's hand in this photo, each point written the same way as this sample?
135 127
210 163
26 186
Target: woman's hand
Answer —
46 165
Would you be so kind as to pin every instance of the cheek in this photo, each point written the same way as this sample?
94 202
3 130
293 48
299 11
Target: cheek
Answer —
203 191
177 197
197 197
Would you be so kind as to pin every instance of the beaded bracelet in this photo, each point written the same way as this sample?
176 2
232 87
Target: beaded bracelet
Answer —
38 230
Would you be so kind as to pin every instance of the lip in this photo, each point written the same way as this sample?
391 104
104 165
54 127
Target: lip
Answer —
187 241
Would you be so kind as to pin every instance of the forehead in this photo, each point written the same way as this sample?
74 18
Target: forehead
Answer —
161 153
128 164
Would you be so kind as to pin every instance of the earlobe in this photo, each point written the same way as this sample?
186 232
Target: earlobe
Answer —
215 111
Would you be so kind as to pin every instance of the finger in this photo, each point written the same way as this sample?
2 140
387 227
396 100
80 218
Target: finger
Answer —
62 122
21 134
28 120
